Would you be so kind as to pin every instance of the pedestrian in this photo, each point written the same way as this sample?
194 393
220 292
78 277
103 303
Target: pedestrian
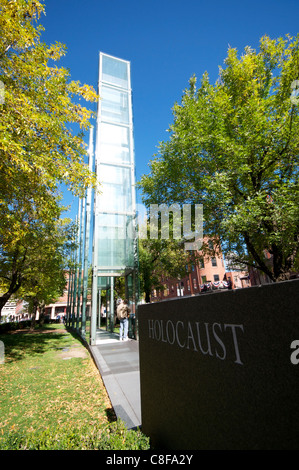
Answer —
123 313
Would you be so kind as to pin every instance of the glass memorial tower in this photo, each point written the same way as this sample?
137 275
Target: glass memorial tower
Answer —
115 249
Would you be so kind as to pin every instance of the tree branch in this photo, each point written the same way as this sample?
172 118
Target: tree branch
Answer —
261 264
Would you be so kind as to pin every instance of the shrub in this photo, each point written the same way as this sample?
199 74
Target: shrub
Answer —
115 436
12 326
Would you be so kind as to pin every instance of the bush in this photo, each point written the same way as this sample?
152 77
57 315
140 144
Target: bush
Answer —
118 437
12 326
115 436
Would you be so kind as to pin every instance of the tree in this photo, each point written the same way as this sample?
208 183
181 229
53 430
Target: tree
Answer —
47 278
25 221
34 266
158 258
233 147
39 104
38 147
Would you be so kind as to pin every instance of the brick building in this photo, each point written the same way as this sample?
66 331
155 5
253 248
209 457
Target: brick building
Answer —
209 273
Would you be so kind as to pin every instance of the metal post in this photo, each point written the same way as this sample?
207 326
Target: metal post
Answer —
83 270
112 305
87 236
93 324
79 264
94 293
107 319
71 299
69 294
82 252
99 308
71 308
75 283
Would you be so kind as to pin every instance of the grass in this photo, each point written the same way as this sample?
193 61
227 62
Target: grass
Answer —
50 387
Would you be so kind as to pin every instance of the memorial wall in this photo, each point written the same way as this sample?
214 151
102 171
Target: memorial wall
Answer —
220 370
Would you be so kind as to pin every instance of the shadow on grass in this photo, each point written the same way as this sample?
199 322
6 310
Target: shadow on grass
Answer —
111 416
25 342
73 332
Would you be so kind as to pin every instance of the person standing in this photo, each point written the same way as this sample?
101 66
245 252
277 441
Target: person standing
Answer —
123 313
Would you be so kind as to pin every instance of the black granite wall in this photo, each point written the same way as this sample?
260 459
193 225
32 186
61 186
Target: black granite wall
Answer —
219 370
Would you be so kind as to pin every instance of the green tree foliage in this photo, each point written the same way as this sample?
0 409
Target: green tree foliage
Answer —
45 278
38 147
39 104
33 264
158 258
233 147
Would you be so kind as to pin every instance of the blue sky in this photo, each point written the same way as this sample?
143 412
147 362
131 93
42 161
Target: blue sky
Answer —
166 41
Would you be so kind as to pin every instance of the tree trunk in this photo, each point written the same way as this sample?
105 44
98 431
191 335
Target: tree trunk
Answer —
262 266
42 315
34 310
147 296
13 288
16 279
3 299
147 285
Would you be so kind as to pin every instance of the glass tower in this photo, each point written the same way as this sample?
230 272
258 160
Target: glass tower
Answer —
115 236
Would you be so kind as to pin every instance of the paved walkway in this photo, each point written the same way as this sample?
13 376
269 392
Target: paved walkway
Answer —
118 363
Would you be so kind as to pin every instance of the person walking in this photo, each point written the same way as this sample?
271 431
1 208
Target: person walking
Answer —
123 313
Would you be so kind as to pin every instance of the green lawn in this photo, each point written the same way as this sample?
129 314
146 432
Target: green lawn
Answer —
50 386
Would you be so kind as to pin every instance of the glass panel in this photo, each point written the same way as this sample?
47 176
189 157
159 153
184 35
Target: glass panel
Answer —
115 174
114 71
116 246
114 105
112 252
116 188
114 145
115 226
117 232
115 198
111 220
114 153
103 282
130 242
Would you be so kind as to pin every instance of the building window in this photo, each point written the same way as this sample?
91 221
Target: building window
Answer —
201 263
211 245
214 262
216 277
204 279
